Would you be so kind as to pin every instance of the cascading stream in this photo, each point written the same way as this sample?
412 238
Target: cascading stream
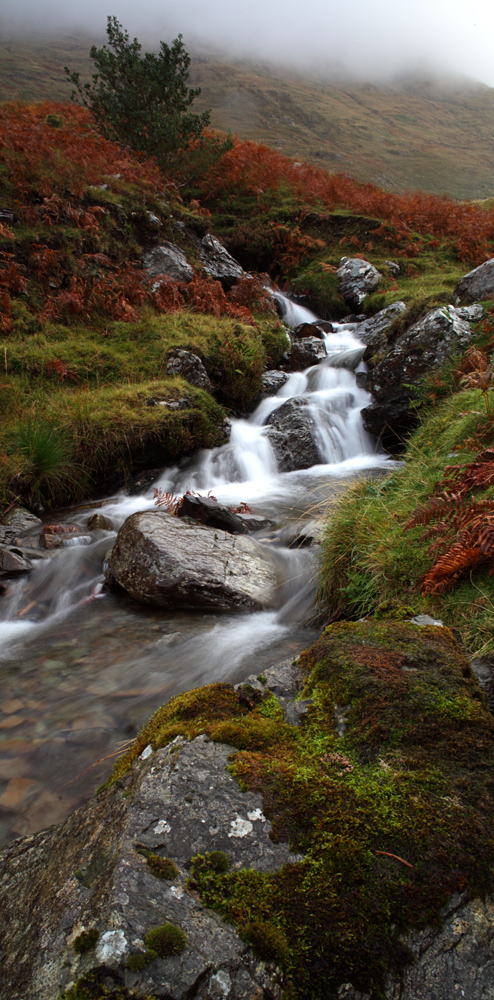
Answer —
81 669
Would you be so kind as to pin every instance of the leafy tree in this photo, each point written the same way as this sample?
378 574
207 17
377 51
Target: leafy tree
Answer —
142 100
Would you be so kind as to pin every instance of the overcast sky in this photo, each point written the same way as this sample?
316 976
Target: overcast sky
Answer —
370 38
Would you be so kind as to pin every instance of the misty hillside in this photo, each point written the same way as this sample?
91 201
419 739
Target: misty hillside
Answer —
414 134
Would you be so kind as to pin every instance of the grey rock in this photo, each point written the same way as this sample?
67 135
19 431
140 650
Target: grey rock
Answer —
15 522
12 560
210 512
483 668
471 313
356 278
167 258
426 620
417 351
476 285
100 522
177 802
394 268
218 263
308 330
307 352
190 367
162 560
272 381
255 522
292 432
373 330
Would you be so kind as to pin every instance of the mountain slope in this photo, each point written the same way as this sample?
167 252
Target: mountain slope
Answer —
412 134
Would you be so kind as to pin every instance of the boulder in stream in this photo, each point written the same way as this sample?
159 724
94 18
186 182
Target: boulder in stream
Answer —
307 352
291 430
163 560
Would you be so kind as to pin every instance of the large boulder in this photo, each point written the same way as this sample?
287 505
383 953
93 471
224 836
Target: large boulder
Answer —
190 367
477 284
167 258
91 875
15 522
420 349
292 432
372 331
162 560
307 352
218 263
356 278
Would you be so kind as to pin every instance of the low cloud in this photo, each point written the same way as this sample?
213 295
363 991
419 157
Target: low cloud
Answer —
378 40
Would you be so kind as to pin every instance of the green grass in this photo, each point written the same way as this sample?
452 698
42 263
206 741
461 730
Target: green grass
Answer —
369 560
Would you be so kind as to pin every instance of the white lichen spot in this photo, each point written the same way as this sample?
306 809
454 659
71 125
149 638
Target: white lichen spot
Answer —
220 984
146 752
176 891
111 946
162 827
256 814
240 827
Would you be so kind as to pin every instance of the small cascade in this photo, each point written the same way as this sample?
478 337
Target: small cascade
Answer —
86 667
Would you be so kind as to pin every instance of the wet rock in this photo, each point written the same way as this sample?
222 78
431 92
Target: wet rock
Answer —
307 352
356 278
373 330
476 285
100 522
291 430
210 512
53 536
190 367
167 258
218 263
162 560
272 381
15 522
418 350
324 325
255 522
308 330
177 802
12 560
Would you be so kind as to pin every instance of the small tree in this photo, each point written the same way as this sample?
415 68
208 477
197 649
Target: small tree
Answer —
139 100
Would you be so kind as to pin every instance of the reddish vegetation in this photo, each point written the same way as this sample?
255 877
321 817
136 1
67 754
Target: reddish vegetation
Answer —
256 169
52 148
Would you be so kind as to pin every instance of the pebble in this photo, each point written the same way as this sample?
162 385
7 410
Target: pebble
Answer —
10 706
17 792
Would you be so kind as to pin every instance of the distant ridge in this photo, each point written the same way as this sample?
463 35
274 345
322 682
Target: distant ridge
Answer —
412 133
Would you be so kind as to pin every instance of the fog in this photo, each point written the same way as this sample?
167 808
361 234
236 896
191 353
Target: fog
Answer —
370 40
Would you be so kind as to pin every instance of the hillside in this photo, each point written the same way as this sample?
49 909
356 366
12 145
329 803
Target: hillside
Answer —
412 134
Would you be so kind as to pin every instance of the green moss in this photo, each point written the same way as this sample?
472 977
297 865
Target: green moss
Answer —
267 941
392 818
166 940
86 941
163 868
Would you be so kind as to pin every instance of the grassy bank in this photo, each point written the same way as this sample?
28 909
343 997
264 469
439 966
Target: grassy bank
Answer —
410 538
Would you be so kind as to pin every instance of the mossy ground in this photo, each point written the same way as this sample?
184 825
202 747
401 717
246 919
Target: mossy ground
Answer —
391 818
368 557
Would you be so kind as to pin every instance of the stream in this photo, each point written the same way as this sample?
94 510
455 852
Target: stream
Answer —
82 669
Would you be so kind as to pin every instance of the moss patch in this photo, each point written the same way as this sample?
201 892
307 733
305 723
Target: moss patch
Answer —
391 817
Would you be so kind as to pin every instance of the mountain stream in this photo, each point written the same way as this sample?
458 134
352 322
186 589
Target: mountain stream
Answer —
82 669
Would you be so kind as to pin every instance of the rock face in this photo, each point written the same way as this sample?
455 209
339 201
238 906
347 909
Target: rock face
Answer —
218 263
169 259
190 367
162 560
208 511
307 352
292 435
418 350
356 278
477 284
87 874
15 522
372 332
457 961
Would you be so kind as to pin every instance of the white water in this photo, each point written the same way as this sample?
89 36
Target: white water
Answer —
62 603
